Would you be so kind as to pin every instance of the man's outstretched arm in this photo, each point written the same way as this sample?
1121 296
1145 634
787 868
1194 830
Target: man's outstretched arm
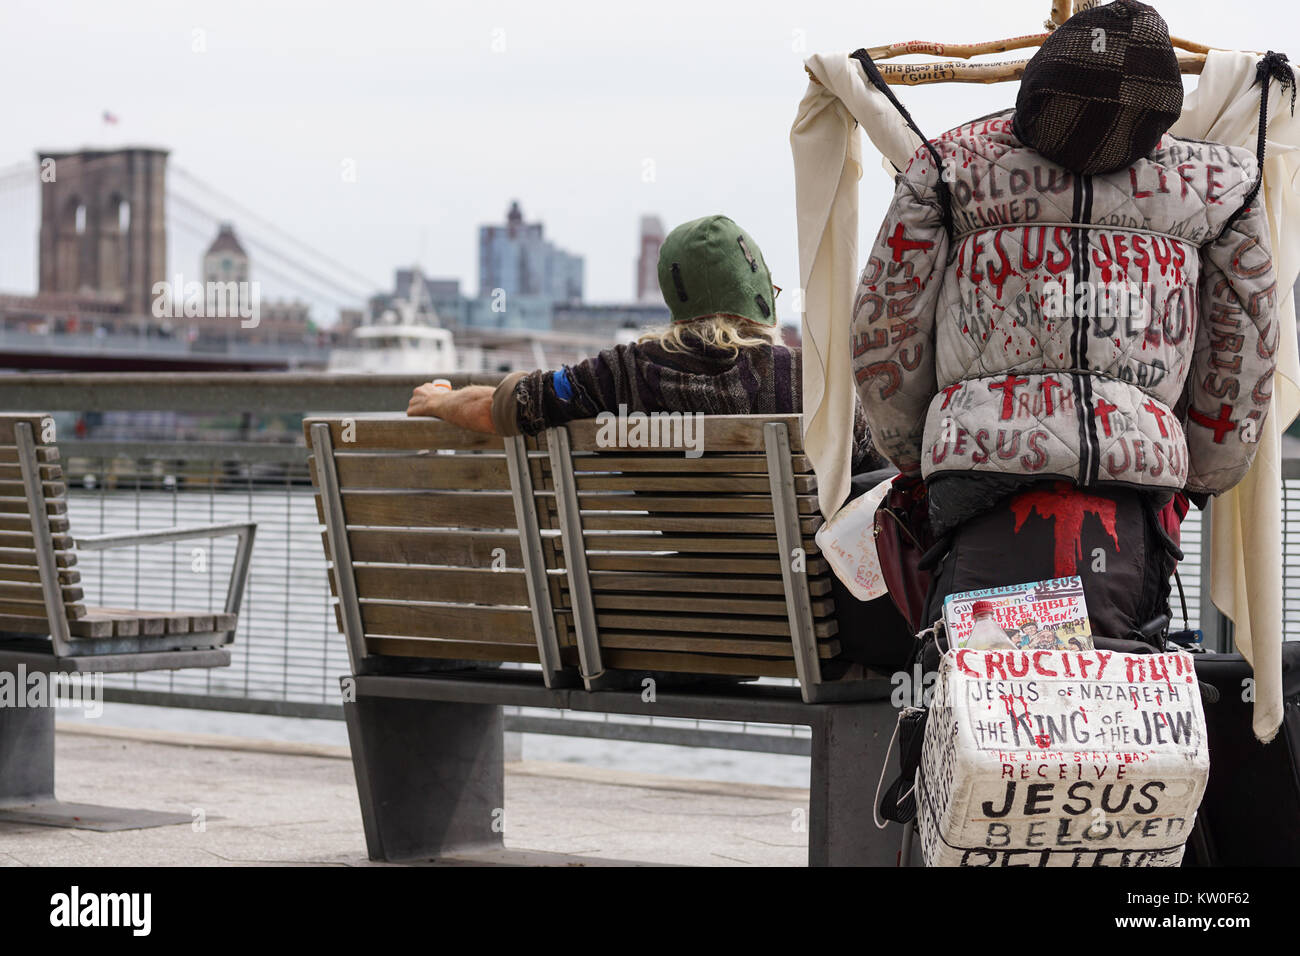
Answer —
469 407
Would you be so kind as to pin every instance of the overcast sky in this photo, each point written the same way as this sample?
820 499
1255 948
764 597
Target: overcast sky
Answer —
449 110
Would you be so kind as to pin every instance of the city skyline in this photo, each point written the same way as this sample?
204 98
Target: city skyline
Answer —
389 146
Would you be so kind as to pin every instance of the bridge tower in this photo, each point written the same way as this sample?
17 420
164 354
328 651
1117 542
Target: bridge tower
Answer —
103 232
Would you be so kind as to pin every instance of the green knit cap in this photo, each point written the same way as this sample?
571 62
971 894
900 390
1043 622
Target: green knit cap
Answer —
710 267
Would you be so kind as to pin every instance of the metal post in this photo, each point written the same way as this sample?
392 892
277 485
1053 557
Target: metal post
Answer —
327 482
1214 624
575 556
238 575
785 511
46 562
530 545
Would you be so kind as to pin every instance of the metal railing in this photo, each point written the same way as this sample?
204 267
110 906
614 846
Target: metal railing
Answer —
288 653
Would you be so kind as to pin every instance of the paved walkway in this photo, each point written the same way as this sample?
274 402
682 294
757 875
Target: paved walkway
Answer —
268 803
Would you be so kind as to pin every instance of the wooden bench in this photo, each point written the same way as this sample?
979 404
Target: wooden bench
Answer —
47 628
607 566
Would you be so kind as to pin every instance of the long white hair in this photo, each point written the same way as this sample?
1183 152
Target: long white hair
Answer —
726 332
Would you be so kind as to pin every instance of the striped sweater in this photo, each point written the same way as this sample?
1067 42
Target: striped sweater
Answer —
645 377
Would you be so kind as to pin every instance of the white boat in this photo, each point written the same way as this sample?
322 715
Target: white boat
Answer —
406 339
396 348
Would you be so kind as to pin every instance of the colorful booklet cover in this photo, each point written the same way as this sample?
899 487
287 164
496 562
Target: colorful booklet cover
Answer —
1039 615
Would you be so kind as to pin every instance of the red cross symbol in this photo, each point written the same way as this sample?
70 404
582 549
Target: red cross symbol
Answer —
1160 414
901 245
1102 410
948 393
1008 389
1046 386
1221 425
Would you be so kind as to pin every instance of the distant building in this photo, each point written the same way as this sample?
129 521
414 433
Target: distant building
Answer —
647 262
226 261
426 301
281 321
515 259
611 320
349 320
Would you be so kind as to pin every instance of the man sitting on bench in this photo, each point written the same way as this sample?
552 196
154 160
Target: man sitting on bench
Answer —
719 355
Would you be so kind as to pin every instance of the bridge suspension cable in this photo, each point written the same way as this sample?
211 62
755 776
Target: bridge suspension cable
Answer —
350 293
306 291
248 214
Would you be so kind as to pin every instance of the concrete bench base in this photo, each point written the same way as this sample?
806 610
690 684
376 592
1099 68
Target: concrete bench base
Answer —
427 751
27 781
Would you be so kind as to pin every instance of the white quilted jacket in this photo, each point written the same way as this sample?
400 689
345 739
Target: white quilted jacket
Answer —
1094 328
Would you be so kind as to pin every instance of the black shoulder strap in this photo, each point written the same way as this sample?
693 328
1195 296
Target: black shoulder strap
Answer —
1271 66
875 79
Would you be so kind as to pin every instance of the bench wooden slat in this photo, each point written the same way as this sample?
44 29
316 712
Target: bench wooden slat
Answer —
688 504
45 454
35 607
754 464
23 523
667 599
62 559
52 489
20 506
450 585
707 583
704 624
24 624
635 660
453 650
497 625
648 641
712 485
690 564
29 573
30 591
20 539
704 524
713 544
473 549
719 433
425 472
14 472
402 433
428 509
38 424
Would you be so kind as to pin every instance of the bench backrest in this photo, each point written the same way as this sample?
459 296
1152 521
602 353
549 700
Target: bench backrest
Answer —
37 560
422 533
586 547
